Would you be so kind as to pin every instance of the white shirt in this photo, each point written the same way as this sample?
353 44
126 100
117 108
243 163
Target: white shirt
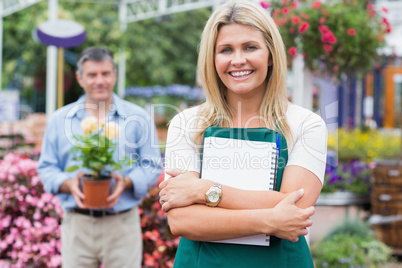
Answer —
308 149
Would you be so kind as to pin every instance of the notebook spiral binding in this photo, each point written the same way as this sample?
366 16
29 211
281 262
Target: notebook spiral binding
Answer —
274 169
272 176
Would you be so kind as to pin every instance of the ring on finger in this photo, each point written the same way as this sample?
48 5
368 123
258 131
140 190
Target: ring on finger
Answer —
161 200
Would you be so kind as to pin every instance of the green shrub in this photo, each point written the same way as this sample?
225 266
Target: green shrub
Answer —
350 245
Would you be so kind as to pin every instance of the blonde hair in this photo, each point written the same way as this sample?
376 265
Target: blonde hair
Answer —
215 111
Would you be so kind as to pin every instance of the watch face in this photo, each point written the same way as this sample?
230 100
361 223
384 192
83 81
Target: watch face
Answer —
213 196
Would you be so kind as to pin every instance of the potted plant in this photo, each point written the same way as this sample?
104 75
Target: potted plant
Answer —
94 150
346 184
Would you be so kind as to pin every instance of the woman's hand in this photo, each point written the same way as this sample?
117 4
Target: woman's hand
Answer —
290 221
182 189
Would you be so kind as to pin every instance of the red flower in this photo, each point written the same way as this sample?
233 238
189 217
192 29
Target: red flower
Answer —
371 13
292 30
292 51
316 4
351 32
336 68
328 48
304 26
329 38
285 10
385 10
265 4
305 16
384 21
293 4
326 35
149 260
322 20
324 12
275 13
295 19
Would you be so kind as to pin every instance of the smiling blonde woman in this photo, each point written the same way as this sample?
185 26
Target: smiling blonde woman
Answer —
242 67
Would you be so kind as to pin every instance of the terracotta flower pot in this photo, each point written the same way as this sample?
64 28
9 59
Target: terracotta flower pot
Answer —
96 191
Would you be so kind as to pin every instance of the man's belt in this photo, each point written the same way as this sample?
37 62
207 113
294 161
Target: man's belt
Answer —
97 213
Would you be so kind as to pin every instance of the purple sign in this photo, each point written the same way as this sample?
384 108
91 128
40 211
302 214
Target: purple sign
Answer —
61 33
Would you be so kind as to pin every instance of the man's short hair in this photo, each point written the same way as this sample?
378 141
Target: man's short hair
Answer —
95 54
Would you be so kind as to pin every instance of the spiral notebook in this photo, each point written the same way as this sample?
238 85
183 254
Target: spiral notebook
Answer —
242 158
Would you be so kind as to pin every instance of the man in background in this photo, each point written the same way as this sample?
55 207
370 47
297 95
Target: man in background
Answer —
110 236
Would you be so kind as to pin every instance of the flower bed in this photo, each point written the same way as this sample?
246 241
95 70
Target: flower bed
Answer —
30 218
30 221
159 245
364 145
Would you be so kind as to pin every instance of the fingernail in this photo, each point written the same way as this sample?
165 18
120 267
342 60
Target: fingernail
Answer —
301 191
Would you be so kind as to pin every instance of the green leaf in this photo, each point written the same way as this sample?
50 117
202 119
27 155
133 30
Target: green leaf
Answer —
71 168
132 161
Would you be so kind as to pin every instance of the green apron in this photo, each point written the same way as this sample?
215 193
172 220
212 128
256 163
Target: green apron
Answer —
280 254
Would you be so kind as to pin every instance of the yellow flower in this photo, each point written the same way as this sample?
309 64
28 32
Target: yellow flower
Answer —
111 130
89 125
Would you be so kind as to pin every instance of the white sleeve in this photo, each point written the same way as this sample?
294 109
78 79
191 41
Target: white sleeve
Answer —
310 144
181 152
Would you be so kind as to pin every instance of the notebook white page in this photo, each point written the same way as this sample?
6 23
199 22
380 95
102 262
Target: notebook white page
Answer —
243 164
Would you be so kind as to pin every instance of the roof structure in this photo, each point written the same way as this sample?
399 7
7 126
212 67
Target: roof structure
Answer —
8 7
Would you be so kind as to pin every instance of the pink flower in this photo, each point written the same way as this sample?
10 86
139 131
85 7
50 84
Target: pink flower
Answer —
385 21
322 20
336 68
18 244
265 4
305 16
326 35
292 51
149 260
295 19
351 32
55 261
384 9
316 4
3 246
304 26
5 222
285 10
328 48
292 30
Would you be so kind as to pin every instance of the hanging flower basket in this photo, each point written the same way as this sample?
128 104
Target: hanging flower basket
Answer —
338 37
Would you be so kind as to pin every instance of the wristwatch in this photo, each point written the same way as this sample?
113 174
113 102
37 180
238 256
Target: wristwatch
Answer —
214 195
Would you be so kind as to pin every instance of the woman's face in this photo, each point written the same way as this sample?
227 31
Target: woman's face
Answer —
241 60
